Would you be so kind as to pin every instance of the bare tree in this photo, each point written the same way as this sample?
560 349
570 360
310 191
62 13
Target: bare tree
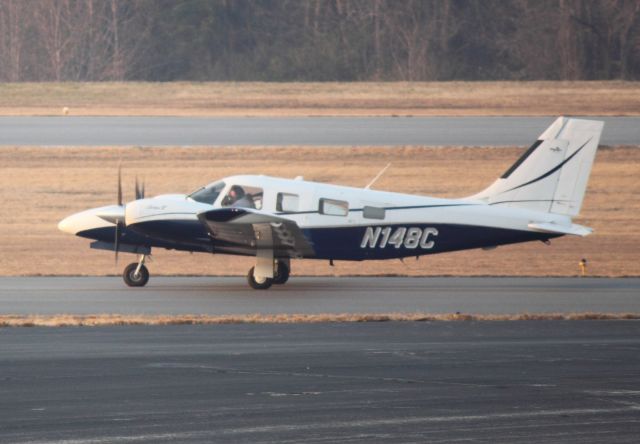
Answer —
12 36
57 24
318 39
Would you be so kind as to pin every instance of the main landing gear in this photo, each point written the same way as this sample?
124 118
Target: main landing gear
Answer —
136 274
276 271
281 272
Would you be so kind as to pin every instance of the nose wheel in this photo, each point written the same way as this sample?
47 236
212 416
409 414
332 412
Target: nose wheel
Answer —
258 283
136 274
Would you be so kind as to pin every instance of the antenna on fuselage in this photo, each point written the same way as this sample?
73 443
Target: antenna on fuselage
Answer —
378 176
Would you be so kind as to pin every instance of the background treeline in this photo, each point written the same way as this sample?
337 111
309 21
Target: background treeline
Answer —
283 40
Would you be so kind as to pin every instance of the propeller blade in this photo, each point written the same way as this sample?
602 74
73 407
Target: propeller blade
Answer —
120 184
139 189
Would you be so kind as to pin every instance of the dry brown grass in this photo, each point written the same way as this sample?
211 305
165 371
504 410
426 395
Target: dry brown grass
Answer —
103 320
303 99
38 187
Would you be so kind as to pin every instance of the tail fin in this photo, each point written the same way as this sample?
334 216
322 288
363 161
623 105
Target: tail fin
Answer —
551 176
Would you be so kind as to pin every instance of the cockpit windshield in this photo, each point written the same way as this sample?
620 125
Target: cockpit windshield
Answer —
208 194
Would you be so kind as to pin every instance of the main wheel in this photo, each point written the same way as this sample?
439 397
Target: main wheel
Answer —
258 285
282 274
130 278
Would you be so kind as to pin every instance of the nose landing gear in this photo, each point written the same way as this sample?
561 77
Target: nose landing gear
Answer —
281 272
136 274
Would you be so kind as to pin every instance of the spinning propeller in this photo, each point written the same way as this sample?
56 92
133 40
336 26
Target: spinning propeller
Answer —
120 222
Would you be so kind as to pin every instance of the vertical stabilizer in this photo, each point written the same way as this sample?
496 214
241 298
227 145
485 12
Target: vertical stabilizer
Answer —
552 175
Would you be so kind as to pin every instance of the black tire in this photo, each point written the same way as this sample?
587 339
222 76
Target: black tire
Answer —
131 279
258 285
282 274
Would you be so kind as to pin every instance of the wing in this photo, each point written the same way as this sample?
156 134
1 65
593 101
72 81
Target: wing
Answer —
247 230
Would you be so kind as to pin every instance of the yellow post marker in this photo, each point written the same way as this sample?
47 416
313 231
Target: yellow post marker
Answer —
583 266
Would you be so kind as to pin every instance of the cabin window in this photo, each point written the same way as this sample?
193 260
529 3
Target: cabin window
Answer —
287 202
209 194
373 212
333 207
243 196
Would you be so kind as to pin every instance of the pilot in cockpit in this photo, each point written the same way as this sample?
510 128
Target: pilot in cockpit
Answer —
237 197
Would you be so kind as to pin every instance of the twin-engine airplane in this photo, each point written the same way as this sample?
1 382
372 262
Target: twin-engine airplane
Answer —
277 220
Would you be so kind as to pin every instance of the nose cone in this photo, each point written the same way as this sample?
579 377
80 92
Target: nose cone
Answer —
69 224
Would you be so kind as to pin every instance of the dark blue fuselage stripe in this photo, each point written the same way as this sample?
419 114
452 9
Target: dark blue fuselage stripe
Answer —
346 243
340 243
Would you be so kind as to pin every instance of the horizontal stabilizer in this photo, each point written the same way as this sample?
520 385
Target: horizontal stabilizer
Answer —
575 229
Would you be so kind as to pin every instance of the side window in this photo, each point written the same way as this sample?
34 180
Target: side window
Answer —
243 197
333 207
373 212
287 202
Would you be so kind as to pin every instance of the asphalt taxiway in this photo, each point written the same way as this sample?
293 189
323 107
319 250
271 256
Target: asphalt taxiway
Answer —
312 295
220 131
536 381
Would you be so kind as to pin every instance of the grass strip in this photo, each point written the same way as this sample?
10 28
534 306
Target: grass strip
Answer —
104 320
499 98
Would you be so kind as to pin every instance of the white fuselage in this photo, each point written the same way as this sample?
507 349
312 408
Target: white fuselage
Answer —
276 219
384 224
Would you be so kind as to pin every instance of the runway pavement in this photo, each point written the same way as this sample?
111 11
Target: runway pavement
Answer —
189 131
311 295
538 381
